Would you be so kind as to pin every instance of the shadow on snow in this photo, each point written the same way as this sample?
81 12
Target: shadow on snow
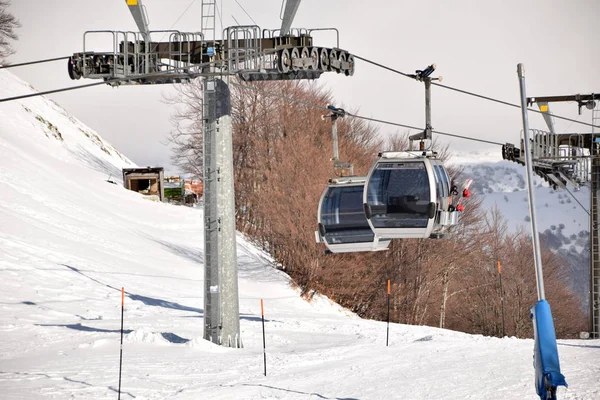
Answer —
299 392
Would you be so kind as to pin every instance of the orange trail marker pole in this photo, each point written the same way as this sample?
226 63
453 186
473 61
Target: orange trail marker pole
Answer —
262 313
501 296
387 339
121 356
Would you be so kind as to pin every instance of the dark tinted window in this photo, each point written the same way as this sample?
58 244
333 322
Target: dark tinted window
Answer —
399 195
446 181
443 178
343 217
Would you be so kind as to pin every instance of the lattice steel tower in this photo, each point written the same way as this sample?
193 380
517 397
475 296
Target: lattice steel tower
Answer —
594 221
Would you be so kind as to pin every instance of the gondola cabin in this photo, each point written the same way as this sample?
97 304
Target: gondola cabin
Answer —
407 196
343 226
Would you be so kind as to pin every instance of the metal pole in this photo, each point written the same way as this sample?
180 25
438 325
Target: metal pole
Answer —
291 6
537 255
594 323
387 339
336 155
262 313
594 222
426 134
121 356
427 108
147 41
501 296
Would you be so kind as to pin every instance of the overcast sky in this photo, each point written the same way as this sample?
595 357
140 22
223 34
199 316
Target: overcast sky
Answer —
476 45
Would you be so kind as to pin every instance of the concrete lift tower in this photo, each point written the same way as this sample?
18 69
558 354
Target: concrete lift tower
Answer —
246 52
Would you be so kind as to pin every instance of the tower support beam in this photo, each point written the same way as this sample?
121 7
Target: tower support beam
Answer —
291 6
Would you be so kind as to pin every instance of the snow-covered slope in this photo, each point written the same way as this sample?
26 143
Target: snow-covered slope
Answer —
69 241
42 132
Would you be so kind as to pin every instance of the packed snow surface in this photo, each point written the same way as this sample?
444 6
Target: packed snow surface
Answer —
70 241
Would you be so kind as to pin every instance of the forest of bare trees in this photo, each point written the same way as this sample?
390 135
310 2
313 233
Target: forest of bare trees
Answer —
282 151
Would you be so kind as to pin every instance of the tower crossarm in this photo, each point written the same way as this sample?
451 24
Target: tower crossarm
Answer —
251 53
134 60
557 158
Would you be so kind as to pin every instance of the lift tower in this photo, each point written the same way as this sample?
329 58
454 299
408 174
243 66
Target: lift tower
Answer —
247 53
571 158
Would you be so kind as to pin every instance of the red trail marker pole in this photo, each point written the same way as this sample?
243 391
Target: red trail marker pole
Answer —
387 339
121 356
501 296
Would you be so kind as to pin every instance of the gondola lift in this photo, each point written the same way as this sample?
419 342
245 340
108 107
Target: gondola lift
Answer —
408 194
342 225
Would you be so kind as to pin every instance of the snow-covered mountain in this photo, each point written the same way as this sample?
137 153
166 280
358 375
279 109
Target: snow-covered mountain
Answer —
503 184
562 215
70 240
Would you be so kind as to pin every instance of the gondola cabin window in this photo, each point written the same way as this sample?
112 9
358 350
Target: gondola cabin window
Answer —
399 195
343 226
343 217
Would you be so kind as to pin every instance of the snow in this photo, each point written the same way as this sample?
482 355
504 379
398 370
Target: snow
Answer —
70 241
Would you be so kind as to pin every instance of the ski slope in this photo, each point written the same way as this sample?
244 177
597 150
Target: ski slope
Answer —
69 241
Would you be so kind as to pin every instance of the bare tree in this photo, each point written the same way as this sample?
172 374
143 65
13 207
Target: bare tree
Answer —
478 306
186 136
8 24
459 253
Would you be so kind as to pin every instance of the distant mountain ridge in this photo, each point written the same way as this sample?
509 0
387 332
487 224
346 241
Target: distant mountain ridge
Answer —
561 215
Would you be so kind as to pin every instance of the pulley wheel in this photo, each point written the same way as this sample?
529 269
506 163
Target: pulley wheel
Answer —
305 56
350 70
324 60
333 55
341 59
284 61
314 58
295 55
72 68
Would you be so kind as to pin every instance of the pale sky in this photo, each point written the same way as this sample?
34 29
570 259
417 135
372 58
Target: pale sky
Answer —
476 45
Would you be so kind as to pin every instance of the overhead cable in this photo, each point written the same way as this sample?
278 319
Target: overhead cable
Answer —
33 62
117 80
275 94
25 96
434 131
578 202
471 93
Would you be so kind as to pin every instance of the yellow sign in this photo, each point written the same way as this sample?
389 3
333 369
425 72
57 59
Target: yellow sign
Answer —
544 108
132 2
